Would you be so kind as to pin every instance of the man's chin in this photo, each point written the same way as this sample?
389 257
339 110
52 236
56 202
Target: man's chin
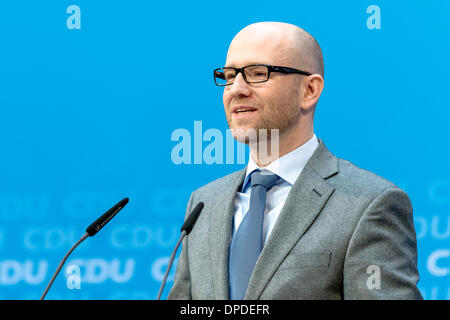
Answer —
244 135
249 135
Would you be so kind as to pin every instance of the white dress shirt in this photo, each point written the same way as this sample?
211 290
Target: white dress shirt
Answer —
288 167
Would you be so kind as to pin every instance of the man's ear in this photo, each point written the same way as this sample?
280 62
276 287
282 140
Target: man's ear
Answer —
312 87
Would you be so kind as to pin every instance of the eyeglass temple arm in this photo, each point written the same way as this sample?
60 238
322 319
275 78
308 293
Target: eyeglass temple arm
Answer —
290 70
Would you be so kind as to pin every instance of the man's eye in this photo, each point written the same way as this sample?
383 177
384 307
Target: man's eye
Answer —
258 74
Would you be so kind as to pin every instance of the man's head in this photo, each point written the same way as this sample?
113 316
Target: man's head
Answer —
286 101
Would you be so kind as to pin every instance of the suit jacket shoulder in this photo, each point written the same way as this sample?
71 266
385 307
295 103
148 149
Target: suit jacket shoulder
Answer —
360 180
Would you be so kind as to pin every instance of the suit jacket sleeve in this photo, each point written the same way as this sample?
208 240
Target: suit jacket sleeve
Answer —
181 289
381 259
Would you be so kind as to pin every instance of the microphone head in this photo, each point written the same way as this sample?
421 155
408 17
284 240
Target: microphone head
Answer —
98 224
190 221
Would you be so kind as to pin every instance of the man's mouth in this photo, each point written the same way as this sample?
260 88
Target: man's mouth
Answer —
243 109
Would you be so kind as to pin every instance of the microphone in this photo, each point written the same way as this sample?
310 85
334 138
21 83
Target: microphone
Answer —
95 227
185 230
98 224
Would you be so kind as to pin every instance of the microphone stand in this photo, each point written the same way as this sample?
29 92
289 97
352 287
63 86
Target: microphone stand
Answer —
62 263
172 257
185 230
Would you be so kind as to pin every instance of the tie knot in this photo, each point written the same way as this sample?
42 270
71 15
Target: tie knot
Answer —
263 178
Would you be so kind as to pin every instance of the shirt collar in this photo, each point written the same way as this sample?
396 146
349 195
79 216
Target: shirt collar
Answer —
289 166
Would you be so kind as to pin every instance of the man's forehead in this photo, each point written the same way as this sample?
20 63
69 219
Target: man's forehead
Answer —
255 53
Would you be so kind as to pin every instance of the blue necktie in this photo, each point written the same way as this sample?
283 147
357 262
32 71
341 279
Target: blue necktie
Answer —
247 243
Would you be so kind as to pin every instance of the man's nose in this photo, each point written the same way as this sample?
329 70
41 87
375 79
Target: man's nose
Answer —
240 87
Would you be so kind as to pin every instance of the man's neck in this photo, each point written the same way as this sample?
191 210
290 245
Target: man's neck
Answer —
263 158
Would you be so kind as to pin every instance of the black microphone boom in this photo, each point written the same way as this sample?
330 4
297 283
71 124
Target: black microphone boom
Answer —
185 230
98 224
190 221
95 227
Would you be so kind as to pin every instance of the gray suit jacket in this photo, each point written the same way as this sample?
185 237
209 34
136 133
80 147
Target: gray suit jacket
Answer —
343 233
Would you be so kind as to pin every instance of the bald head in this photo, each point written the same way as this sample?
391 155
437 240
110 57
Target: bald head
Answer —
289 44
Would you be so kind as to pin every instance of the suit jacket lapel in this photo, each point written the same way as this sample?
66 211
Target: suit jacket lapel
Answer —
305 201
221 220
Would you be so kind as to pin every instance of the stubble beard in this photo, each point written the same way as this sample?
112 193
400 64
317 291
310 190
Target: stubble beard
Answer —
283 118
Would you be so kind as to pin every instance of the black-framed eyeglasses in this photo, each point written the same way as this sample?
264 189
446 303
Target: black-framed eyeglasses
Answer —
254 73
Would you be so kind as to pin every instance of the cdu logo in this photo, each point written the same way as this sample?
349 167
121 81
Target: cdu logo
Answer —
13 271
98 270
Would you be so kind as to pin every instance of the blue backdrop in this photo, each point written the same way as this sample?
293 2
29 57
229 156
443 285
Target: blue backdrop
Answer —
92 91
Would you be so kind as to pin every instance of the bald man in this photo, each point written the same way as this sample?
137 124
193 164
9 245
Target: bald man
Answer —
296 222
